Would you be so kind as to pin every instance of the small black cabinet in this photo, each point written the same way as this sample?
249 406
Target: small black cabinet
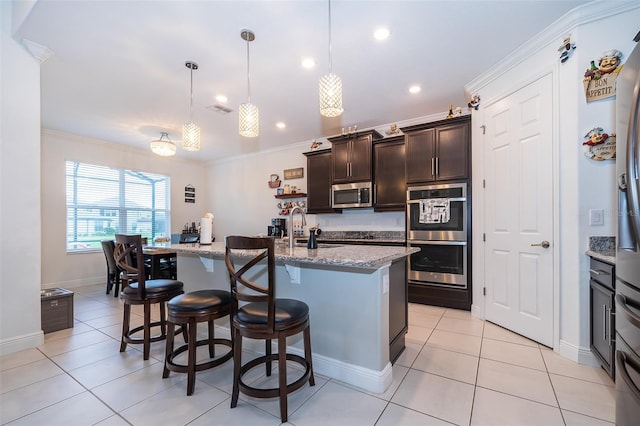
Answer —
602 310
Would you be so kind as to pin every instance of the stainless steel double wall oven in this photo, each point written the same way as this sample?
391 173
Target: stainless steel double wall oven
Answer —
437 224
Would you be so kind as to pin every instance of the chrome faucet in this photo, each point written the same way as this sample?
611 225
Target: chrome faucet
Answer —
304 223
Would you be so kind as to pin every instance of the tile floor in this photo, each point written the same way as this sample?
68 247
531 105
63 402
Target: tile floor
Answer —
455 370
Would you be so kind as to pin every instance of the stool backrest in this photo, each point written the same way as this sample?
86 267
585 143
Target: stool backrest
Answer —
249 252
130 259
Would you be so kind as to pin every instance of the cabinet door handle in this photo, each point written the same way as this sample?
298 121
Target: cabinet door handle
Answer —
437 166
347 165
598 272
433 166
604 322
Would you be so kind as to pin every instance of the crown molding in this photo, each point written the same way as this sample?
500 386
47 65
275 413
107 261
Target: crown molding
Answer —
559 29
38 51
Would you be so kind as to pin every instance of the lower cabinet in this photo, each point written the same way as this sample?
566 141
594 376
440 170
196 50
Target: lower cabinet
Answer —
602 310
398 308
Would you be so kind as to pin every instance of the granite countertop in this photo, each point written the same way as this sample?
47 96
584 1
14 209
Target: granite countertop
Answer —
602 248
357 256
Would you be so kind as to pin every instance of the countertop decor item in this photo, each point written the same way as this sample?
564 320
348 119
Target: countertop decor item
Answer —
248 114
190 130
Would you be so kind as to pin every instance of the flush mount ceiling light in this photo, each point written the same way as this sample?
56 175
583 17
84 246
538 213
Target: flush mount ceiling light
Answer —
249 115
163 147
330 87
191 131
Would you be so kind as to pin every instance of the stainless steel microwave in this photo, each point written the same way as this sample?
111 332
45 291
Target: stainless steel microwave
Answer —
349 195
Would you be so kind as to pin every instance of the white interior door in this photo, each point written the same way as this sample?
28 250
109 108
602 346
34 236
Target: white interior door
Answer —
519 212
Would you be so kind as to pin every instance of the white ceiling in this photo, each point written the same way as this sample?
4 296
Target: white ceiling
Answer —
117 70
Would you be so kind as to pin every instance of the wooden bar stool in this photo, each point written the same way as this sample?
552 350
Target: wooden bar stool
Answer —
187 310
137 290
264 317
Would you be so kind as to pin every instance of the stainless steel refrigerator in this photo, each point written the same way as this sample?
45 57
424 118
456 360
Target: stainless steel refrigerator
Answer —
628 241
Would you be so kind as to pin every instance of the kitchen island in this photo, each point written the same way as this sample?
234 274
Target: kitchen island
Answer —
354 293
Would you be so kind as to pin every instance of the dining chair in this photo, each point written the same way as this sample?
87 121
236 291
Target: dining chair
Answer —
138 290
263 316
113 274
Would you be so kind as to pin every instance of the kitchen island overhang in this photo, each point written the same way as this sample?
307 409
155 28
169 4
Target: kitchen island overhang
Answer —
347 290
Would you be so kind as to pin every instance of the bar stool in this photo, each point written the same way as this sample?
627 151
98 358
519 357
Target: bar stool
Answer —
264 317
187 310
138 290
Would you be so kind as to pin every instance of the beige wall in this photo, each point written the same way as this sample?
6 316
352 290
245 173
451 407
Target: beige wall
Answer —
60 269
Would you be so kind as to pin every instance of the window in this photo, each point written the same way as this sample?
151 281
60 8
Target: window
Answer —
102 202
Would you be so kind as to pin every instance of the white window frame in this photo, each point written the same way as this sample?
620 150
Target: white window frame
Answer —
87 212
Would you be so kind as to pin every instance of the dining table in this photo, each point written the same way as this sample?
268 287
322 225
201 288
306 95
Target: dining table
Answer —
162 262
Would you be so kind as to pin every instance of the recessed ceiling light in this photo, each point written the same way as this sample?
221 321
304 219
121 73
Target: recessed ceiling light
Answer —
308 63
280 125
381 33
414 89
221 98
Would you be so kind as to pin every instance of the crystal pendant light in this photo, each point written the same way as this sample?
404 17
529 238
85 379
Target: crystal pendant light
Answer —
163 147
330 87
190 130
248 114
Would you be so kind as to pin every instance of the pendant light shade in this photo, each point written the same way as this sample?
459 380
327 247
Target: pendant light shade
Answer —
163 147
248 114
330 93
190 130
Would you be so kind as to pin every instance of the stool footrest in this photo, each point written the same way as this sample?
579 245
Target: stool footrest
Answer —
273 392
182 368
130 339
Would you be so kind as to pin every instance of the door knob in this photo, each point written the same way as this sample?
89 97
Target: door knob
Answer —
544 244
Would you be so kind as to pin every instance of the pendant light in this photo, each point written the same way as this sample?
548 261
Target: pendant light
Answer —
249 115
190 130
330 87
163 147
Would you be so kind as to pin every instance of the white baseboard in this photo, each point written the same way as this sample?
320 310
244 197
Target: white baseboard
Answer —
21 343
361 377
579 354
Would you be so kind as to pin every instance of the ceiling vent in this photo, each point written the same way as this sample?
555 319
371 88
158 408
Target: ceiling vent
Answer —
220 109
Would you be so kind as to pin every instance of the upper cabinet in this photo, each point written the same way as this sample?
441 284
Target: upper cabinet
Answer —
438 151
319 182
351 156
389 187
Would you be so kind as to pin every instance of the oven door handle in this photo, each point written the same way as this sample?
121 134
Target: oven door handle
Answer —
624 360
463 199
437 243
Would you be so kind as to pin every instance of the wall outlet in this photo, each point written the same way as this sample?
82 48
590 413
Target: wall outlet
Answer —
596 217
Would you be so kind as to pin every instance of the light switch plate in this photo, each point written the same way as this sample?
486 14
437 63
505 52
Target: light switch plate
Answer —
596 217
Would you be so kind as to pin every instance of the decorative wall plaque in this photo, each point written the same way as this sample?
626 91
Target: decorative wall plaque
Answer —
599 146
600 81
189 194
294 173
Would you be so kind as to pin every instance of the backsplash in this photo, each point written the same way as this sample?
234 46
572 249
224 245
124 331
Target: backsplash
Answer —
363 235
602 244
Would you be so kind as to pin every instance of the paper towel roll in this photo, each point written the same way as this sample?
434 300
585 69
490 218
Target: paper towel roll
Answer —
206 230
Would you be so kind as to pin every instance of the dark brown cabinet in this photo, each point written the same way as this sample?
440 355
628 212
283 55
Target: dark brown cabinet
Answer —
319 182
389 175
438 151
351 157
602 309
398 308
